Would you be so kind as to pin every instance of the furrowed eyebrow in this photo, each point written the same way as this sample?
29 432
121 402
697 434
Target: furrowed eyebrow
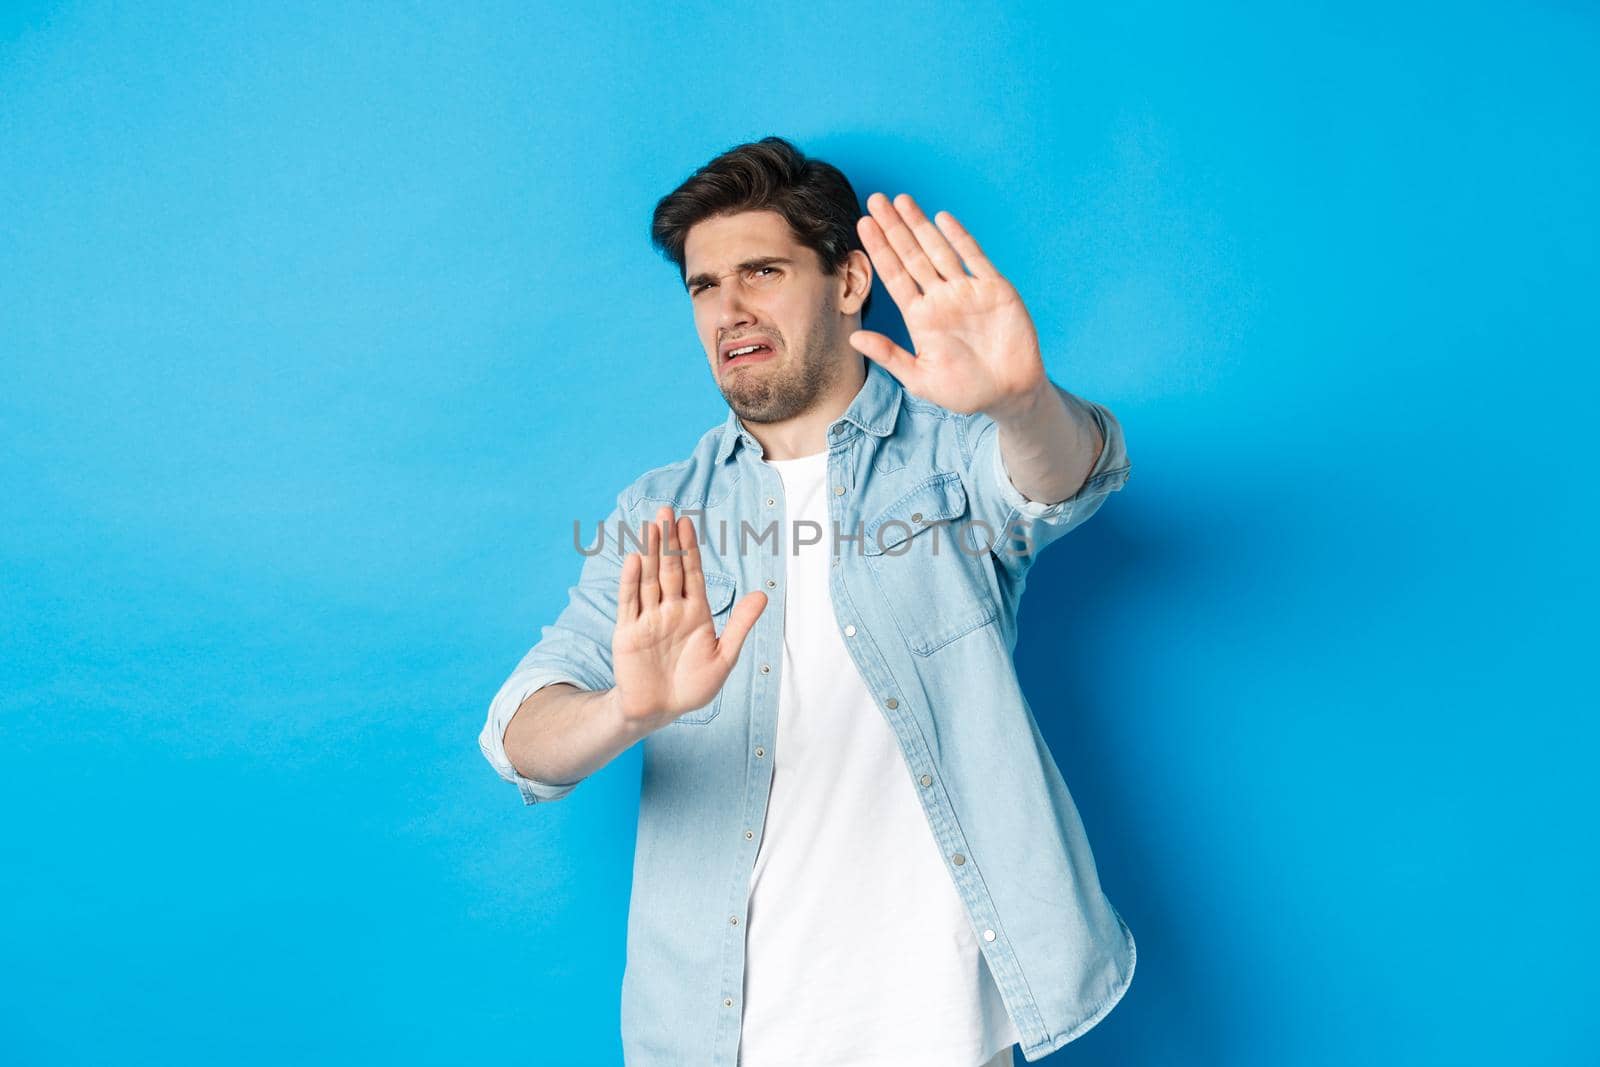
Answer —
749 264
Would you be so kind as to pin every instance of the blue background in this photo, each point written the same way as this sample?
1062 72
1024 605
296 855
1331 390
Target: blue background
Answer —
320 325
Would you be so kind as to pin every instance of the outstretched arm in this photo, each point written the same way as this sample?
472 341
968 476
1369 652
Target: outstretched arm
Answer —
1049 447
977 349
666 658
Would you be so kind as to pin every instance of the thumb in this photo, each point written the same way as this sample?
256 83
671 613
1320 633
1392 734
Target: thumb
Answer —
744 616
882 350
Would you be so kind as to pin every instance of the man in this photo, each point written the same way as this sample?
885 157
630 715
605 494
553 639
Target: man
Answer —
854 846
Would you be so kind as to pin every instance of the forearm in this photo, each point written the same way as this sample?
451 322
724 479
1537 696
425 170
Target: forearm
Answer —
562 734
1049 446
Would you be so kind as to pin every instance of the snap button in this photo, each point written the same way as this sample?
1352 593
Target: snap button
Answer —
749 834
838 490
760 752
727 1003
849 631
733 920
771 502
988 935
927 779
771 584
766 668
958 859
892 703
916 516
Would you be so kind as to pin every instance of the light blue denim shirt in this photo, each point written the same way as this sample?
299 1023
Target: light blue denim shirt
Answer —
931 624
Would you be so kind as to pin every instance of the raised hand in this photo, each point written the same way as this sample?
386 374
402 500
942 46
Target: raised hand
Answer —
976 348
666 656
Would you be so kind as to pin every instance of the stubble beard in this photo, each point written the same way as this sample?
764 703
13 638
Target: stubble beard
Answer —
764 394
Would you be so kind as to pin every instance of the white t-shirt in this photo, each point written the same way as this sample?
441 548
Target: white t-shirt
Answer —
858 951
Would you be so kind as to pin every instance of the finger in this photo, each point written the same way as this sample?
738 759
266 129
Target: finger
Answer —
744 615
967 245
694 579
901 285
883 351
628 590
905 242
671 557
649 572
933 242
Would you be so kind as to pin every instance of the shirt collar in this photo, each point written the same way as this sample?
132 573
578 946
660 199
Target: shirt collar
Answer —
874 409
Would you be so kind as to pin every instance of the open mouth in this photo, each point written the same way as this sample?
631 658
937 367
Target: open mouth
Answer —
740 355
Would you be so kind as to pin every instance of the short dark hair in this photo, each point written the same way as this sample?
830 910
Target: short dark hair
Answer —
771 174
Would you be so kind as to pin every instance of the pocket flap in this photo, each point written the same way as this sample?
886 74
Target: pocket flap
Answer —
939 498
719 591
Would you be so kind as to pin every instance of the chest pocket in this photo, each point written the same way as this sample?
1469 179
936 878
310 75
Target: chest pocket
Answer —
935 587
719 595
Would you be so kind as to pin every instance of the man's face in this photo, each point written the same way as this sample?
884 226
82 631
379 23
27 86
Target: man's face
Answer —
751 282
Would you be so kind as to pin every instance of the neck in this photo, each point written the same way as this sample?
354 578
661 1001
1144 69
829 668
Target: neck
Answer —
806 434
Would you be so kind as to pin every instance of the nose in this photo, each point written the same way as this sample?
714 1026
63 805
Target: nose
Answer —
733 313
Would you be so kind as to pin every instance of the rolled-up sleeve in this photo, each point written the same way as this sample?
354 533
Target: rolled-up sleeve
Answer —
575 649
1022 527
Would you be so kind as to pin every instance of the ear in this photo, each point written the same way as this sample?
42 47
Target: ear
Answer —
855 280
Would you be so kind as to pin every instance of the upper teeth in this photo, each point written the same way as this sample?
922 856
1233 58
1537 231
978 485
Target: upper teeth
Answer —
742 351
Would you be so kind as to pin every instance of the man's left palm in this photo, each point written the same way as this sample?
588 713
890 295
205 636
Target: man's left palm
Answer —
976 347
